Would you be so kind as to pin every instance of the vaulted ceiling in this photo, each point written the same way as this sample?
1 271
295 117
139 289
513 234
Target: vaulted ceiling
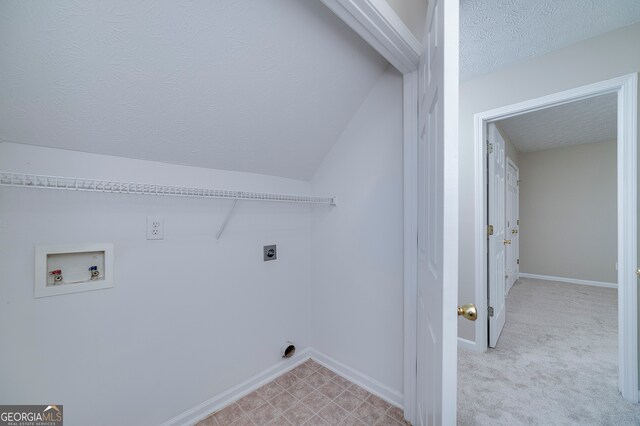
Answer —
256 86
499 33
589 120
264 87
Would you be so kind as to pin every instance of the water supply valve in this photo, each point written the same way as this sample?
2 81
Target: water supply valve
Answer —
93 270
57 275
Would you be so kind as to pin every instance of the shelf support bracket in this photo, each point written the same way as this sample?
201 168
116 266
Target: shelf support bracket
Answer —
226 219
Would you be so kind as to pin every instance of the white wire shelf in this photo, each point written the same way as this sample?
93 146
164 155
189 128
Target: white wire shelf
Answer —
23 180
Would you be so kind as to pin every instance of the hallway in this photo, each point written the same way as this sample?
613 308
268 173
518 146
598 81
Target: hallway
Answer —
555 362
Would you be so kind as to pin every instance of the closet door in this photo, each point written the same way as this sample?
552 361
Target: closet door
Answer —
513 232
498 238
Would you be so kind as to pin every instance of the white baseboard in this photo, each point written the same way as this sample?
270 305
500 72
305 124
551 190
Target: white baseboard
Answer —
223 399
471 346
370 384
569 280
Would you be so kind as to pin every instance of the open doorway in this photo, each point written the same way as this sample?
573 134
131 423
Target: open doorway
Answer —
552 189
542 306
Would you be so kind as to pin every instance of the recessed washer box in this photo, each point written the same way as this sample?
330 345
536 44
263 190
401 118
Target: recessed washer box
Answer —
71 268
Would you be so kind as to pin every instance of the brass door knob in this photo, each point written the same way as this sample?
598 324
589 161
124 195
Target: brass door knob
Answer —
514 231
507 241
468 311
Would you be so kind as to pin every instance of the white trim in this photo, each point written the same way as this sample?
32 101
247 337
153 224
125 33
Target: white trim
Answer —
379 26
225 398
569 280
480 244
449 43
469 345
410 170
627 89
203 410
366 382
377 23
627 238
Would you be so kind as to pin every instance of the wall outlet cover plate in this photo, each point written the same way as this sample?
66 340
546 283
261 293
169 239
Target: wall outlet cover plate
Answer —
155 228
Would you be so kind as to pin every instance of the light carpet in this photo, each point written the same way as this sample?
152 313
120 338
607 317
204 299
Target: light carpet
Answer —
555 363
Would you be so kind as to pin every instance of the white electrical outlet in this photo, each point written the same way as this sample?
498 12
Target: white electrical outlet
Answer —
155 228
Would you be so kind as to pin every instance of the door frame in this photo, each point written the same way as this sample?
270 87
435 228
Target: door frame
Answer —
377 23
626 88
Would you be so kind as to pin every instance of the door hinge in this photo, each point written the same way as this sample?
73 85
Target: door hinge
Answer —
518 221
489 147
518 261
490 311
489 229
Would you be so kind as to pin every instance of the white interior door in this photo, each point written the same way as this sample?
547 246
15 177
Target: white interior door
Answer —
513 231
437 293
497 241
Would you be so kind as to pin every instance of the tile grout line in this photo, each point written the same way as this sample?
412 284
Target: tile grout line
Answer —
246 414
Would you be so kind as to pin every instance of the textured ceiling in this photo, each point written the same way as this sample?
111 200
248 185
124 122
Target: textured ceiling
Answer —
256 86
498 33
587 121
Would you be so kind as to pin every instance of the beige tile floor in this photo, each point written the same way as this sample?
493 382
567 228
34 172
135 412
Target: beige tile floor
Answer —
309 395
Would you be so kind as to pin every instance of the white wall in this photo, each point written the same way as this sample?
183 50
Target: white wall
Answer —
610 55
357 275
413 13
188 317
568 212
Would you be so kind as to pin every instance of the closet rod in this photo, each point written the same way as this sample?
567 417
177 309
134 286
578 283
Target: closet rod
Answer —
23 180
